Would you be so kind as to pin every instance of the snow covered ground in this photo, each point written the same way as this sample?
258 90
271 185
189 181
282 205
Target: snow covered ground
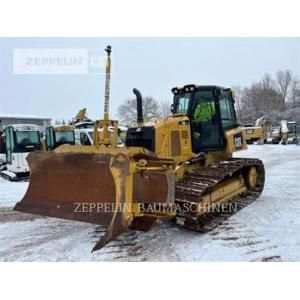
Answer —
268 229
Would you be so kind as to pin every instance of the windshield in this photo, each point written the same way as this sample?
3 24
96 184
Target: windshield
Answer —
181 103
120 141
291 127
24 138
64 137
26 141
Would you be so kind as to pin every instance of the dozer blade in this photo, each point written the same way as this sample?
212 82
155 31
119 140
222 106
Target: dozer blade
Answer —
77 186
91 187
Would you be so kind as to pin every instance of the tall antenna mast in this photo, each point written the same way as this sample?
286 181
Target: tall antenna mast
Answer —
107 83
103 138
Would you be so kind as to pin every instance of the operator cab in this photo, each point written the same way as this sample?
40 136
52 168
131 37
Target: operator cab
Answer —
60 135
20 140
292 127
211 113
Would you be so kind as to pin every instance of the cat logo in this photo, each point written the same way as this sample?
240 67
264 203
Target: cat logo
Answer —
250 131
238 141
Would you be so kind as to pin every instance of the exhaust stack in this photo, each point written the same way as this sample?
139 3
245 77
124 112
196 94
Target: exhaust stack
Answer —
139 106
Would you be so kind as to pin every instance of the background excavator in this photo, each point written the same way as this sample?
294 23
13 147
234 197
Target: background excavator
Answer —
285 133
18 140
180 168
258 132
288 133
80 131
59 135
66 134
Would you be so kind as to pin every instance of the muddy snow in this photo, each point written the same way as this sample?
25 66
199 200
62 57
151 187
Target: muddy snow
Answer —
266 230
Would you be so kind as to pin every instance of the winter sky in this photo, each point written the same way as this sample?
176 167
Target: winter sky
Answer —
153 65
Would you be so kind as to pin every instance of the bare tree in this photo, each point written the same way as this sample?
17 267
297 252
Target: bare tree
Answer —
284 80
259 99
295 91
128 112
165 109
238 95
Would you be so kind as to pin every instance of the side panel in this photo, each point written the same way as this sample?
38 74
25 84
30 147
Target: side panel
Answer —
254 132
235 140
18 163
173 139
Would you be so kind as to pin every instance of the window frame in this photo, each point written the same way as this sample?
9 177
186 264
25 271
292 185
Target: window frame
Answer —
226 94
186 95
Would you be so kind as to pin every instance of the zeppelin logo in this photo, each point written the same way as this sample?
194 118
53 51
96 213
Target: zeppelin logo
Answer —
58 61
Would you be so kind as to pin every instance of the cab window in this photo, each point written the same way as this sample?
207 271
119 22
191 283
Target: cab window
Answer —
182 103
228 117
66 137
204 124
24 138
204 109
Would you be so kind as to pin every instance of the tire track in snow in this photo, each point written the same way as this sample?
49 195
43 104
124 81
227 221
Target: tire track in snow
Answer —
236 234
123 247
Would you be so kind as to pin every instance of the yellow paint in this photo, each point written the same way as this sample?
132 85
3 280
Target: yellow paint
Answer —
255 133
231 145
163 138
63 128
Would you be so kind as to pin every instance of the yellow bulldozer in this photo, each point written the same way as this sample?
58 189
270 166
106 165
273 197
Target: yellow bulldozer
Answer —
180 168
258 132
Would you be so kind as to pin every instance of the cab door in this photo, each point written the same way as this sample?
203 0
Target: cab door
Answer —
9 136
50 138
205 122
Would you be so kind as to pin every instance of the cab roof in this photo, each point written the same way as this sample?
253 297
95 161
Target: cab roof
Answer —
193 87
25 127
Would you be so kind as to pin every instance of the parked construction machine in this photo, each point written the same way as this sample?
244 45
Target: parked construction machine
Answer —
289 132
81 117
180 168
59 135
20 140
67 134
274 135
285 133
256 133
85 136
80 131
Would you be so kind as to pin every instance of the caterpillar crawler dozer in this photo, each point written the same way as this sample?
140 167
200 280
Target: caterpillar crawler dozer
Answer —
180 168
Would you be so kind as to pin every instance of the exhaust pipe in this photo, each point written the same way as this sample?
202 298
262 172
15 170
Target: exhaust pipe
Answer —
139 106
